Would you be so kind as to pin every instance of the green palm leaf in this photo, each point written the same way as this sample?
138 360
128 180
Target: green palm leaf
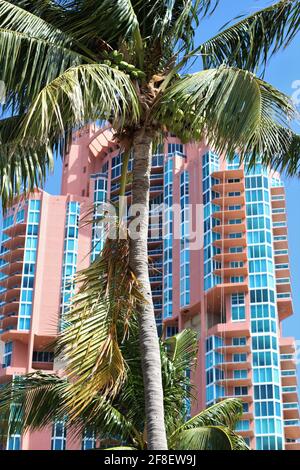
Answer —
32 54
182 348
252 40
225 413
209 438
97 323
204 438
83 93
232 108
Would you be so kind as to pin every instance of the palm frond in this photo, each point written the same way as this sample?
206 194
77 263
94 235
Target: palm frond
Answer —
96 325
32 54
19 399
203 438
225 413
23 169
287 162
175 22
80 95
209 438
182 348
253 39
107 21
232 108
178 359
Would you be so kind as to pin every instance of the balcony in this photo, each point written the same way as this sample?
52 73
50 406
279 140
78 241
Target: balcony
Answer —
10 268
292 445
10 294
283 285
230 242
290 394
234 349
224 175
232 365
289 378
279 231
154 241
291 410
231 272
10 307
12 281
281 244
285 307
245 398
14 242
282 270
278 216
230 228
230 330
225 187
235 382
231 257
158 306
157 188
292 429
225 200
278 203
287 361
13 334
281 257
8 321
15 254
225 215
18 229
227 288
155 253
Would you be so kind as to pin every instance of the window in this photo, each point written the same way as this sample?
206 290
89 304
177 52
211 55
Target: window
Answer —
238 309
235 221
239 357
175 148
7 356
235 235
243 425
237 264
14 442
88 440
43 356
171 331
240 391
236 249
245 407
236 279
239 341
240 374
59 437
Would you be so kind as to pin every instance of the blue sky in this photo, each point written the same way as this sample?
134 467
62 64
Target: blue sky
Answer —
282 71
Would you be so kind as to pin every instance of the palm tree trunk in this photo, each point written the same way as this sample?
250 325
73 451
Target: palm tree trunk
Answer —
150 352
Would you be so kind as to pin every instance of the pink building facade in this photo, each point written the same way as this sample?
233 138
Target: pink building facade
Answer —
218 264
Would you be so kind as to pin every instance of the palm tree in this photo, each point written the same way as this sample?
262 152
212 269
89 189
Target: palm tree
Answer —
39 399
67 63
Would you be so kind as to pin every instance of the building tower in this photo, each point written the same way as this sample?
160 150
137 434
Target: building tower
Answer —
219 264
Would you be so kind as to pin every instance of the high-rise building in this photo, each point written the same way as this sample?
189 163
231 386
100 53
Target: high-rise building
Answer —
219 264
